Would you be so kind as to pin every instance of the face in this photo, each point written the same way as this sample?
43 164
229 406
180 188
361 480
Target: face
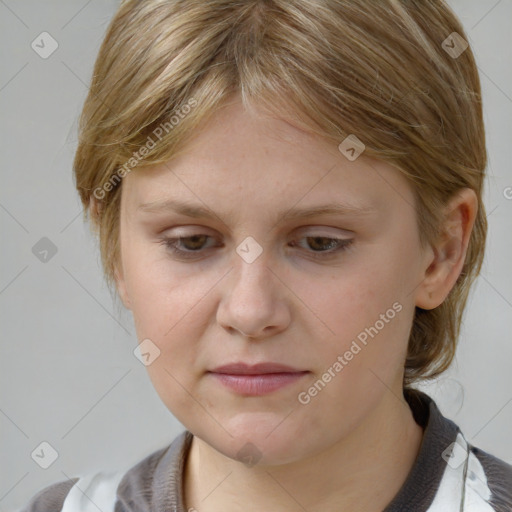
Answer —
329 294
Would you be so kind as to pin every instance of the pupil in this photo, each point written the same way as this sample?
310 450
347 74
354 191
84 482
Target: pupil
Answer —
194 239
319 239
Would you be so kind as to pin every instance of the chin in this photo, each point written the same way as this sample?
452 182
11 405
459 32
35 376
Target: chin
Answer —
258 439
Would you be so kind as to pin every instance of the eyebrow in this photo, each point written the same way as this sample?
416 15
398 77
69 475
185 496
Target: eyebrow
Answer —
198 211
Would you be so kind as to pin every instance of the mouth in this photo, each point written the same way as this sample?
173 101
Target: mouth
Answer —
258 379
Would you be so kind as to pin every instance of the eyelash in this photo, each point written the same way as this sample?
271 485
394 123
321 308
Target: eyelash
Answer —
171 244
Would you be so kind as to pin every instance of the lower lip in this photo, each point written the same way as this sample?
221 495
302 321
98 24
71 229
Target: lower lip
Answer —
256 385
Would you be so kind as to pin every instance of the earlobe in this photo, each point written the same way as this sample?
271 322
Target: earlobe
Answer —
447 256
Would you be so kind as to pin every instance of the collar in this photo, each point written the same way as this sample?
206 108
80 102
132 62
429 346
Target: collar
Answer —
417 492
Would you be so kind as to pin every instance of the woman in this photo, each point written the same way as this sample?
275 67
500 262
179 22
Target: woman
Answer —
288 196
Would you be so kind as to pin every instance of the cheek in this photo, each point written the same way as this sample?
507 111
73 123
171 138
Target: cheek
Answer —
172 306
166 308
369 314
352 303
161 291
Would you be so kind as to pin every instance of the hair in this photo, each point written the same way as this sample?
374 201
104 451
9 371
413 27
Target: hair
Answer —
378 70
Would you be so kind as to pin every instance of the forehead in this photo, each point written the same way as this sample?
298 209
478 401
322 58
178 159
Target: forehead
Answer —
248 160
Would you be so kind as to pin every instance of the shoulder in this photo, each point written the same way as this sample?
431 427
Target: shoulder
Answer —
450 473
131 486
494 476
98 489
50 498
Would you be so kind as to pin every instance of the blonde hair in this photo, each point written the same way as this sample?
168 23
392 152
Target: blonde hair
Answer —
378 70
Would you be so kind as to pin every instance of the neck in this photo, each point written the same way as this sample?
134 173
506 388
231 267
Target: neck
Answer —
380 451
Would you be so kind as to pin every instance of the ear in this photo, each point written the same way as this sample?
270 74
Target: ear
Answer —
446 257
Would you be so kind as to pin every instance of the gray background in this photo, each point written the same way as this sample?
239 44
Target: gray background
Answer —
68 375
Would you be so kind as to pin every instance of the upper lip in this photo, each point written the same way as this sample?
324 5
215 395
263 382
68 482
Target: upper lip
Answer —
255 369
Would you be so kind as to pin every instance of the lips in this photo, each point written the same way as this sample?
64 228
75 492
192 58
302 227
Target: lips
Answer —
255 369
258 379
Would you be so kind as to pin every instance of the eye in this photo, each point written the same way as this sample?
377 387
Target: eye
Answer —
326 246
193 244
189 247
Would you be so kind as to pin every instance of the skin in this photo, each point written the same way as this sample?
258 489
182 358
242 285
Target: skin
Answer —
287 307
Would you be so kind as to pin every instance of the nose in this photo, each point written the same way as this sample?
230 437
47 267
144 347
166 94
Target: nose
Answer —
254 300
